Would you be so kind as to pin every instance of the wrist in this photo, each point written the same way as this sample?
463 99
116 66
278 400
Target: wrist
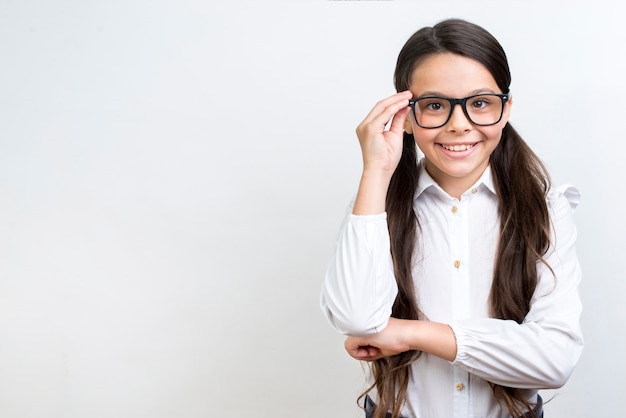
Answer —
378 174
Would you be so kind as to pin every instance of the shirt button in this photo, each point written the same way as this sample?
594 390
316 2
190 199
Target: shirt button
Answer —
457 263
474 191
460 387
455 209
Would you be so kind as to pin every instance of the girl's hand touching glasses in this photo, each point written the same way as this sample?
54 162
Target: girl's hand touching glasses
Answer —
381 151
382 148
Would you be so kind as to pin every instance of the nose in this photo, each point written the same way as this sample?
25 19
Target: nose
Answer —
458 120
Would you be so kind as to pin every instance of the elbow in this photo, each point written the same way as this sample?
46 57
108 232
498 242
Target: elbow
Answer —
557 378
360 328
355 323
349 315
561 367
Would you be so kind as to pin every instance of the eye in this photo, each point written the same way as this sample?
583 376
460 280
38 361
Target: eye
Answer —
480 102
432 105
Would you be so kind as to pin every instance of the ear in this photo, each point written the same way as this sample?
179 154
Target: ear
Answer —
507 108
408 126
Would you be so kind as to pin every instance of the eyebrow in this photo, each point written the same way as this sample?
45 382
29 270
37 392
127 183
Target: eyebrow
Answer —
471 93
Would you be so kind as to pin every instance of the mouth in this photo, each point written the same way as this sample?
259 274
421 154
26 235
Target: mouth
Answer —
458 147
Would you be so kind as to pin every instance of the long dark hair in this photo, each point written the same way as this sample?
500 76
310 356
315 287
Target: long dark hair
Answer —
521 183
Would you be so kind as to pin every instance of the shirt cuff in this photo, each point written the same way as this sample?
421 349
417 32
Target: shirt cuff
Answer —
461 344
368 218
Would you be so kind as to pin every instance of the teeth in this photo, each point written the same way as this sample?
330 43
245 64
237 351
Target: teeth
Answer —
457 147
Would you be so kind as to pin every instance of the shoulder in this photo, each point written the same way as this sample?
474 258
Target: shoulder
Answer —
562 200
565 197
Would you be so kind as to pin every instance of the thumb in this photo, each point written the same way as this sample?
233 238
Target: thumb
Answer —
397 124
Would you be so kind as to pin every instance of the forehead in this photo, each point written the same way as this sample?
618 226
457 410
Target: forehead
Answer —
451 75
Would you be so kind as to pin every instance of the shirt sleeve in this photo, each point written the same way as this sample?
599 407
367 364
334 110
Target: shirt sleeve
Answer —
541 352
359 287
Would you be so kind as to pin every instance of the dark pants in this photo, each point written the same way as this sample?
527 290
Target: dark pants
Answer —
370 406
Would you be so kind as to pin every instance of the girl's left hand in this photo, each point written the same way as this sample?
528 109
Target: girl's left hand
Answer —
390 341
403 335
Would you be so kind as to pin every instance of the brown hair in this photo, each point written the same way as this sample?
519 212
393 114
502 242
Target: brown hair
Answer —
521 182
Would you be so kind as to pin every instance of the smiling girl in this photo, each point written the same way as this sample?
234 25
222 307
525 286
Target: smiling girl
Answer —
455 274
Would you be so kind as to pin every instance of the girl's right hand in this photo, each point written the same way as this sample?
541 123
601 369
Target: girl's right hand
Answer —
382 148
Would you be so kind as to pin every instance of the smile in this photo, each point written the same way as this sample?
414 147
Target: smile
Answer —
462 147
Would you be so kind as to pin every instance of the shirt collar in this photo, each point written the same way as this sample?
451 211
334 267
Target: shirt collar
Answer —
426 182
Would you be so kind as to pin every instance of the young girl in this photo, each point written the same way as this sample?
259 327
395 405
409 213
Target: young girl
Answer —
455 275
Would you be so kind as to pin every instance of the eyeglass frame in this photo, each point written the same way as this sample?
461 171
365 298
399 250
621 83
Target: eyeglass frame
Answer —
463 102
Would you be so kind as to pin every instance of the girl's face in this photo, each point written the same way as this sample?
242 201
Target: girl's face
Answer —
457 153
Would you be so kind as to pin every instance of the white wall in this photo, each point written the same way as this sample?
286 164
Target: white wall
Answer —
173 173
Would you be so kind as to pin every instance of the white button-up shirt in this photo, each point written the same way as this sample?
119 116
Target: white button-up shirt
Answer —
452 271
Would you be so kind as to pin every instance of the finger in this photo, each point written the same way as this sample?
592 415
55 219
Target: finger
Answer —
384 110
367 353
352 345
358 348
401 96
378 125
397 124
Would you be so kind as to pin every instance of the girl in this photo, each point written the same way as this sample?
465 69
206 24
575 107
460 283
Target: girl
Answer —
455 275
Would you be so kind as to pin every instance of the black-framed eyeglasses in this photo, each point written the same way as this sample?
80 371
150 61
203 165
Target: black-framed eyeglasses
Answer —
481 109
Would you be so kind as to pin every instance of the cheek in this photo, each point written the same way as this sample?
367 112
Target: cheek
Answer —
422 141
494 133
424 136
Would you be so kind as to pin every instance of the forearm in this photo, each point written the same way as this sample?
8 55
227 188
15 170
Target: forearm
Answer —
529 355
402 335
434 338
372 193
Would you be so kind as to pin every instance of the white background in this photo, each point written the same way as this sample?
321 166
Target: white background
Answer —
173 173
